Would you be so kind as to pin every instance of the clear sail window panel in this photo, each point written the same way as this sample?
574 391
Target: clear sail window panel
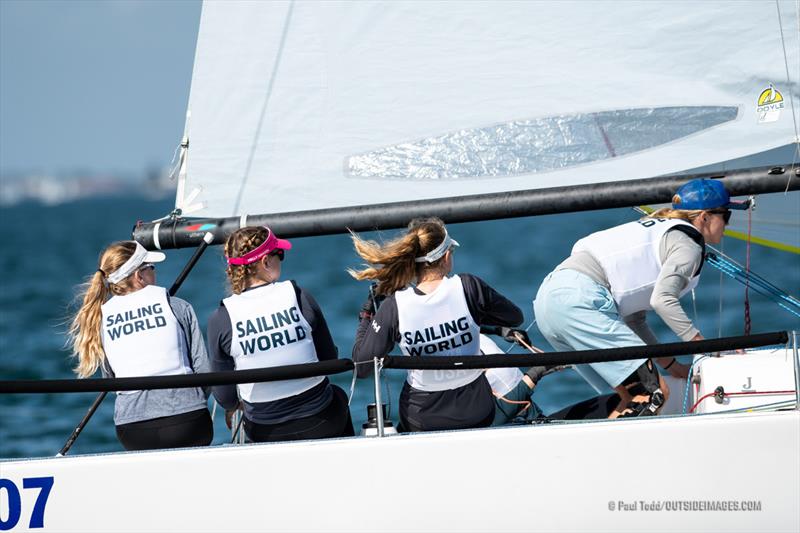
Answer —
536 145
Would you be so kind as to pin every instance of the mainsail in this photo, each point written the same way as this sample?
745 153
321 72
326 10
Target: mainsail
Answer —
309 106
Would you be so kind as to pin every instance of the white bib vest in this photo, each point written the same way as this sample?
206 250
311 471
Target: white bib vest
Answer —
268 329
438 324
501 380
142 337
629 255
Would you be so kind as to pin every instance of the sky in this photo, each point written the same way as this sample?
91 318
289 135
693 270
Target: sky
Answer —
94 87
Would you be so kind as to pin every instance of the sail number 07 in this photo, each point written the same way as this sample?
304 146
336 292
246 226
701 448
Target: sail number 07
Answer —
14 499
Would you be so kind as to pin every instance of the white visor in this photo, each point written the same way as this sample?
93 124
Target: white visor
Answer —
439 251
140 256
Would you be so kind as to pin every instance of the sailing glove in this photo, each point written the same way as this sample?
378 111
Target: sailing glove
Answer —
536 373
515 335
371 304
508 334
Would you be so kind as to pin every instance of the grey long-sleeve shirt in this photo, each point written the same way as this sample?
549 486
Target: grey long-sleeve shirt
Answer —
149 404
681 258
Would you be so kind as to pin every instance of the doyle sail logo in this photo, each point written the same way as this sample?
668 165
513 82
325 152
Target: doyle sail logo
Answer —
770 104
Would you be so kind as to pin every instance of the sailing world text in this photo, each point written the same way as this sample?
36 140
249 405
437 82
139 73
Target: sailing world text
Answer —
135 320
440 338
278 329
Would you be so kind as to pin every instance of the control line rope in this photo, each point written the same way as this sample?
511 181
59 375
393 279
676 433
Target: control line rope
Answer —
744 393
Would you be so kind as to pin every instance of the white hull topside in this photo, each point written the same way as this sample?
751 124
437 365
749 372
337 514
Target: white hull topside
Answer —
558 476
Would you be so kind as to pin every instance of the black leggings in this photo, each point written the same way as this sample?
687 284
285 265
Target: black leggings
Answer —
643 380
333 421
405 426
177 431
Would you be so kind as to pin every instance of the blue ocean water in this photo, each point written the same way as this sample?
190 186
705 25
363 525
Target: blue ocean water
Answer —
47 251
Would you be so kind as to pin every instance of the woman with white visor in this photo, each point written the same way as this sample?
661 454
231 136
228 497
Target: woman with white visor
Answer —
598 297
438 314
130 327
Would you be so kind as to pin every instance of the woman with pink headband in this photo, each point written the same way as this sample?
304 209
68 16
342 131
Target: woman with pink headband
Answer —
267 323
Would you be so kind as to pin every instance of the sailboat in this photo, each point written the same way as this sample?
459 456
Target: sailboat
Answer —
313 118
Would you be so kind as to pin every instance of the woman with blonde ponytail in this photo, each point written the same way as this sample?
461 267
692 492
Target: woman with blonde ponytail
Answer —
266 323
598 297
429 312
129 327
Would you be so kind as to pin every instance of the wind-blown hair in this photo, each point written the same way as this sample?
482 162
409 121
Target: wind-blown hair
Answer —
239 243
84 334
392 264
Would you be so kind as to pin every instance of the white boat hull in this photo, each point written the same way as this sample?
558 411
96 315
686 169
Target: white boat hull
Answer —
759 379
582 476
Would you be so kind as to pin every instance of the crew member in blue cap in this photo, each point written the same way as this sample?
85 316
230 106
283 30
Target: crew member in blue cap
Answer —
598 297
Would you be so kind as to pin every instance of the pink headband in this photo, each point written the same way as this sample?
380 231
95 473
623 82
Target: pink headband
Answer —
271 243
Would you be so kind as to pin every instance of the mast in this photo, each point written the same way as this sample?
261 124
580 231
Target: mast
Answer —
178 232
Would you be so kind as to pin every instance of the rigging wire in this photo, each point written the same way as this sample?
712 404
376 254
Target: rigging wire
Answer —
760 285
355 376
264 107
789 82
388 399
721 294
352 385
238 419
384 382
747 321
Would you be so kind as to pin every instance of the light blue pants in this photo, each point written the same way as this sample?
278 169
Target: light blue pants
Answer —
574 312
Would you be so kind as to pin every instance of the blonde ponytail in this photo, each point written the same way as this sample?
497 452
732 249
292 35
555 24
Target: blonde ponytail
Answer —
682 214
392 264
84 331
85 334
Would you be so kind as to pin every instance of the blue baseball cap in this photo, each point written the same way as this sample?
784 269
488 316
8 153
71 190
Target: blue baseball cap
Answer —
704 194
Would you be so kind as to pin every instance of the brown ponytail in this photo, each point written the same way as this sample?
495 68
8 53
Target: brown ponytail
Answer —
84 334
239 243
392 264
